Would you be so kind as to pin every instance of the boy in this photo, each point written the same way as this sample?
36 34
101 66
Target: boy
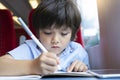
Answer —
56 23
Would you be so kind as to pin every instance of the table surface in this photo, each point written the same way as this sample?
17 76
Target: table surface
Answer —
79 78
56 78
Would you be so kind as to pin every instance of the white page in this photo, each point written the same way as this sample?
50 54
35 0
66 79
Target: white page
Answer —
56 74
30 77
59 73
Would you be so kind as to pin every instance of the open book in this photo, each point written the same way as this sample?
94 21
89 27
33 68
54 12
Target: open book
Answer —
68 74
104 73
56 74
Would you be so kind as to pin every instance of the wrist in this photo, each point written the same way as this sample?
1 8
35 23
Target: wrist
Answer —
35 67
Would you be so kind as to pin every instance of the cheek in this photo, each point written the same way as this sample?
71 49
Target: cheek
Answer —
44 40
67 39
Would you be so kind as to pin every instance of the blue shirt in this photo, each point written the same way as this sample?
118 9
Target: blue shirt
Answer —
29 50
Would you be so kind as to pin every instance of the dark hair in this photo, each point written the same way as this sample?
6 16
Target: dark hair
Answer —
58 12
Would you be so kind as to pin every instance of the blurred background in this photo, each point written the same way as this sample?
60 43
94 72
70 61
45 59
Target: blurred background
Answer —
88 9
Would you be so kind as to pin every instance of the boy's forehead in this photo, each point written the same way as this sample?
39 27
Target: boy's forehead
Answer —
54 26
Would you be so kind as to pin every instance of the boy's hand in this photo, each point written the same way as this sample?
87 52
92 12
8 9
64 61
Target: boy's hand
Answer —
77 66
47 63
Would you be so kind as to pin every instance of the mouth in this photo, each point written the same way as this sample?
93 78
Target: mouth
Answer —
55 47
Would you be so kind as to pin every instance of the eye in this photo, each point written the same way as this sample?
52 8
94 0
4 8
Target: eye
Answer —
64 33
47 33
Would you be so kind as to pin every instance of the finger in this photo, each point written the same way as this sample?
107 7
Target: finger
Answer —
50 61
77 66
83 67
71 67
45 72
53 56
48 68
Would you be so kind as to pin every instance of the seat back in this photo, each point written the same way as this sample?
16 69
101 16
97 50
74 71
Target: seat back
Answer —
7 32
22 34
30 22
79 38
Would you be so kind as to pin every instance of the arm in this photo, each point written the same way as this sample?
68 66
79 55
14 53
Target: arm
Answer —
9 66
40 65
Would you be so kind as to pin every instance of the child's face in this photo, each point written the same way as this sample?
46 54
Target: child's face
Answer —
55 40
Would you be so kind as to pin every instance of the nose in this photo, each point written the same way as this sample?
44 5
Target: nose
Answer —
55 39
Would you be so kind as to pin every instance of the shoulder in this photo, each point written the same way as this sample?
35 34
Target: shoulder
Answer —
30 41
73 44
28 50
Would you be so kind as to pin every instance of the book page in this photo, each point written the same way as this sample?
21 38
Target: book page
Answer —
26 77
56 74
68 74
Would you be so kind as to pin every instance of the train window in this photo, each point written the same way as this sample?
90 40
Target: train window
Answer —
90 25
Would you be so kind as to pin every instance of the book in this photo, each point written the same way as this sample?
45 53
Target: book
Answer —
68 74
56 74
